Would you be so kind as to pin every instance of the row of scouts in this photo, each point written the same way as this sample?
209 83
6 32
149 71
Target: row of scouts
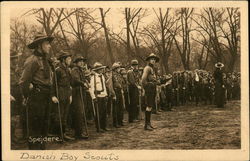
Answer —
77 93
55 97
198 86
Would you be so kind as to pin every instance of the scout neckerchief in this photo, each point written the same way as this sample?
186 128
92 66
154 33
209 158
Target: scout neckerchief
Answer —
45 63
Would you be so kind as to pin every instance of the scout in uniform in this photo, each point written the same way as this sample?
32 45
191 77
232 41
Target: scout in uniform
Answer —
123 73
149 84
133 90
16 98
169 92
38 72
98 92
118 88
62 90
79 84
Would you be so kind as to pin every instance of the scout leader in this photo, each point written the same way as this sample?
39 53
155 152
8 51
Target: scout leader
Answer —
62 90
79 86
219 85
149 84
38 72
99 95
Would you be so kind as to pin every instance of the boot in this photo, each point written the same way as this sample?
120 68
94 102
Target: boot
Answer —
147 127
149 120
67 138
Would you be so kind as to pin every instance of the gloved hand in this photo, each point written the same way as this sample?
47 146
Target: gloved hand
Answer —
95 100
12 98
55 100
70 99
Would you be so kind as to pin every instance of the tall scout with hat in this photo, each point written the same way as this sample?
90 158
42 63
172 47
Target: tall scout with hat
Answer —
79 84
99 95
219 85
38 72
149 84
62 93
133 88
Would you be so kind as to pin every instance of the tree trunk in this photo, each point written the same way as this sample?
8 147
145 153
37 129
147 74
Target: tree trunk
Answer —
111 56
127 14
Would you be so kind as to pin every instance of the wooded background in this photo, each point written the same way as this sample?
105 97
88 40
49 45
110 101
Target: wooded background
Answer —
183 38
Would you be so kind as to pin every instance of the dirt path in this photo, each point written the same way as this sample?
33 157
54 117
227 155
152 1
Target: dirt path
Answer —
186 127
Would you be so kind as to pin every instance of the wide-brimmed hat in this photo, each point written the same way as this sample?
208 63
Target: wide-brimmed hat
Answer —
219 65
87 73
141 69
63 54
79 58
38 39
115 66
152 55
14 55
168 76
123 71
134 62
98 66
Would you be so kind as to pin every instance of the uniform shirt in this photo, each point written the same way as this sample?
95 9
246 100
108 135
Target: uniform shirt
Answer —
117 81
34 73
148 75
14 76
133 78
63 77
218 76
109 85
124 84
97 85
77 77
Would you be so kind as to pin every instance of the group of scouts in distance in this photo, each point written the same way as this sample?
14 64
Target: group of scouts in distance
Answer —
52 96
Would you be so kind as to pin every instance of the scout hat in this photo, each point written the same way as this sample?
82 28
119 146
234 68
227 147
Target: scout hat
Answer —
63 54
141 69
134 62
152 55
98 66
79 58
87 73
219 65
123 71
38 39
115 66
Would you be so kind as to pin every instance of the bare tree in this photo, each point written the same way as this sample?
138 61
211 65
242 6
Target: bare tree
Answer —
79 23
106 32
231 32
162 35
21 34
209 27
130 15
184 48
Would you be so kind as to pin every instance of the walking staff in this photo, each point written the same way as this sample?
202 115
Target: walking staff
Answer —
97 118
84 114
55 100
62 91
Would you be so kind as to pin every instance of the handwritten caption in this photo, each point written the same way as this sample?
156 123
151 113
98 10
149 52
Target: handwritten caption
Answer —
68 156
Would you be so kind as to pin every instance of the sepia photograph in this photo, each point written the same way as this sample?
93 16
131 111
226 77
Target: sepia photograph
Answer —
140 76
